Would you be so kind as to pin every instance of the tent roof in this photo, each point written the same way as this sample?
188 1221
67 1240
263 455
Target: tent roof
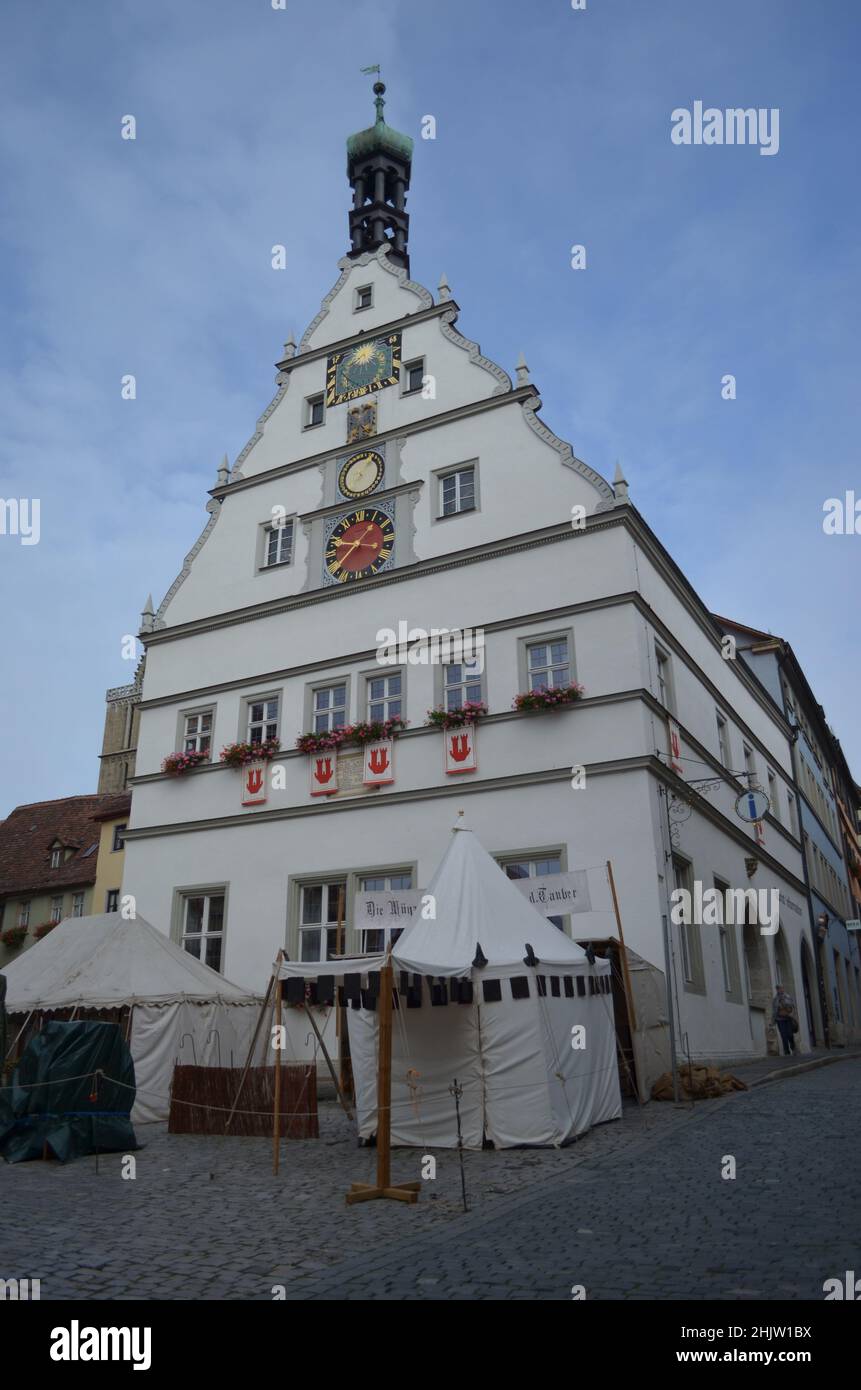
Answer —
105 961
477 904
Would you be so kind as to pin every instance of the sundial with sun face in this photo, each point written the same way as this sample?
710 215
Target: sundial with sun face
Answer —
365 367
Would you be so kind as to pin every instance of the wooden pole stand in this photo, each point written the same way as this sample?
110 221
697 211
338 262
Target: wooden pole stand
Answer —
383 1187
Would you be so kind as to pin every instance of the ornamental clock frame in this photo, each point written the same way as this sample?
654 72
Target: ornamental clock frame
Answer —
359 544
361 473
367 366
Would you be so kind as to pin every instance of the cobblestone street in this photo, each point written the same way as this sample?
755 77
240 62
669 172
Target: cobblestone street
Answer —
636 1209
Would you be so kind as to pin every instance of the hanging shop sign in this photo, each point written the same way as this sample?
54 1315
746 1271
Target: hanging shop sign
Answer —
554 895
379 909
675 738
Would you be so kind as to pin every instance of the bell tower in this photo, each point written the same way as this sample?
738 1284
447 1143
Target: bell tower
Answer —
379 160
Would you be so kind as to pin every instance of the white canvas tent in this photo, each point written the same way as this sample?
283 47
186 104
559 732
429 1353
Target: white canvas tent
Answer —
510 1048
181 1011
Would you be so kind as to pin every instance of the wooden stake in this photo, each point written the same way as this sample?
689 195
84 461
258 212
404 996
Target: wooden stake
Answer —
250 1056
341 1097
403 1192
628 990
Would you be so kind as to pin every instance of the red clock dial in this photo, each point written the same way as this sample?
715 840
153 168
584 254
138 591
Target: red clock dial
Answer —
360 545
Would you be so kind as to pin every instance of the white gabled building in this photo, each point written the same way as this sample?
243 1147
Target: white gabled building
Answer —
453 506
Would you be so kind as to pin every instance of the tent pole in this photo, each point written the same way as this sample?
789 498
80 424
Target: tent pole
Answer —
628 989
341 1097
250 1056
404 1192
276 1117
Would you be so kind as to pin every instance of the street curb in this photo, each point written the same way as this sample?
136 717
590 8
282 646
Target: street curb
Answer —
803 1067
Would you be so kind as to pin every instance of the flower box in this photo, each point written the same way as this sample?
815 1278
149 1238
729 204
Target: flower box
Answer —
544 697
467 713
240 754
43 929
366 731
13 937
175 764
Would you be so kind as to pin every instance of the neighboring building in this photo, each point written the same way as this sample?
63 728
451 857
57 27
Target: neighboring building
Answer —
400 480
49 864
825 806
119 745
114 821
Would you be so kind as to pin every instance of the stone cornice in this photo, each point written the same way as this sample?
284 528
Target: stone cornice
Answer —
238 483
303 357
370 501
434 565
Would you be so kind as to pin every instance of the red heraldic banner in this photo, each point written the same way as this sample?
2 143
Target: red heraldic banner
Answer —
379 765
460 749
324 773
253 784
759 832
675 746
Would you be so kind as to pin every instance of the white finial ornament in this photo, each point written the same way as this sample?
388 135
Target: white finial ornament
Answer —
522 371
443 288
147 615
620 486
223 472
290 347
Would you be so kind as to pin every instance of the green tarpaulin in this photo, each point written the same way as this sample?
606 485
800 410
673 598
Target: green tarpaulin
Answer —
65 1093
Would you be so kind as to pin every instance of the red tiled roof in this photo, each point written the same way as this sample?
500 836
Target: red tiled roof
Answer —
122 807
27 834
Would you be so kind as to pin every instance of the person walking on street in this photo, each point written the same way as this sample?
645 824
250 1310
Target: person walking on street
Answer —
783 1014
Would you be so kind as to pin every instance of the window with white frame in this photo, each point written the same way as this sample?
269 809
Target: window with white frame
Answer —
112 900
197 732
385 696
773 794
203 927
534 868
723 739
749 765
376 939
24 915
321 905
78 905
278 549
313 411
263 719
457 491
689 932
56 909
119 838
460 682
329 707
413 377
56 856
665 678
548 664
364 297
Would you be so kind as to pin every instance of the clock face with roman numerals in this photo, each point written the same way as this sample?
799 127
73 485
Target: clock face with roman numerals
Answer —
360 544
365 367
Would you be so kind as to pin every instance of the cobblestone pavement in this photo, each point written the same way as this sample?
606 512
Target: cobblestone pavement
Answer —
636 1209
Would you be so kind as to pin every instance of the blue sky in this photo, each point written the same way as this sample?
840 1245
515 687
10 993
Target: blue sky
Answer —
553 128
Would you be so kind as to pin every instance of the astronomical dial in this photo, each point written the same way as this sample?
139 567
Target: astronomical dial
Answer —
359 545
361 473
